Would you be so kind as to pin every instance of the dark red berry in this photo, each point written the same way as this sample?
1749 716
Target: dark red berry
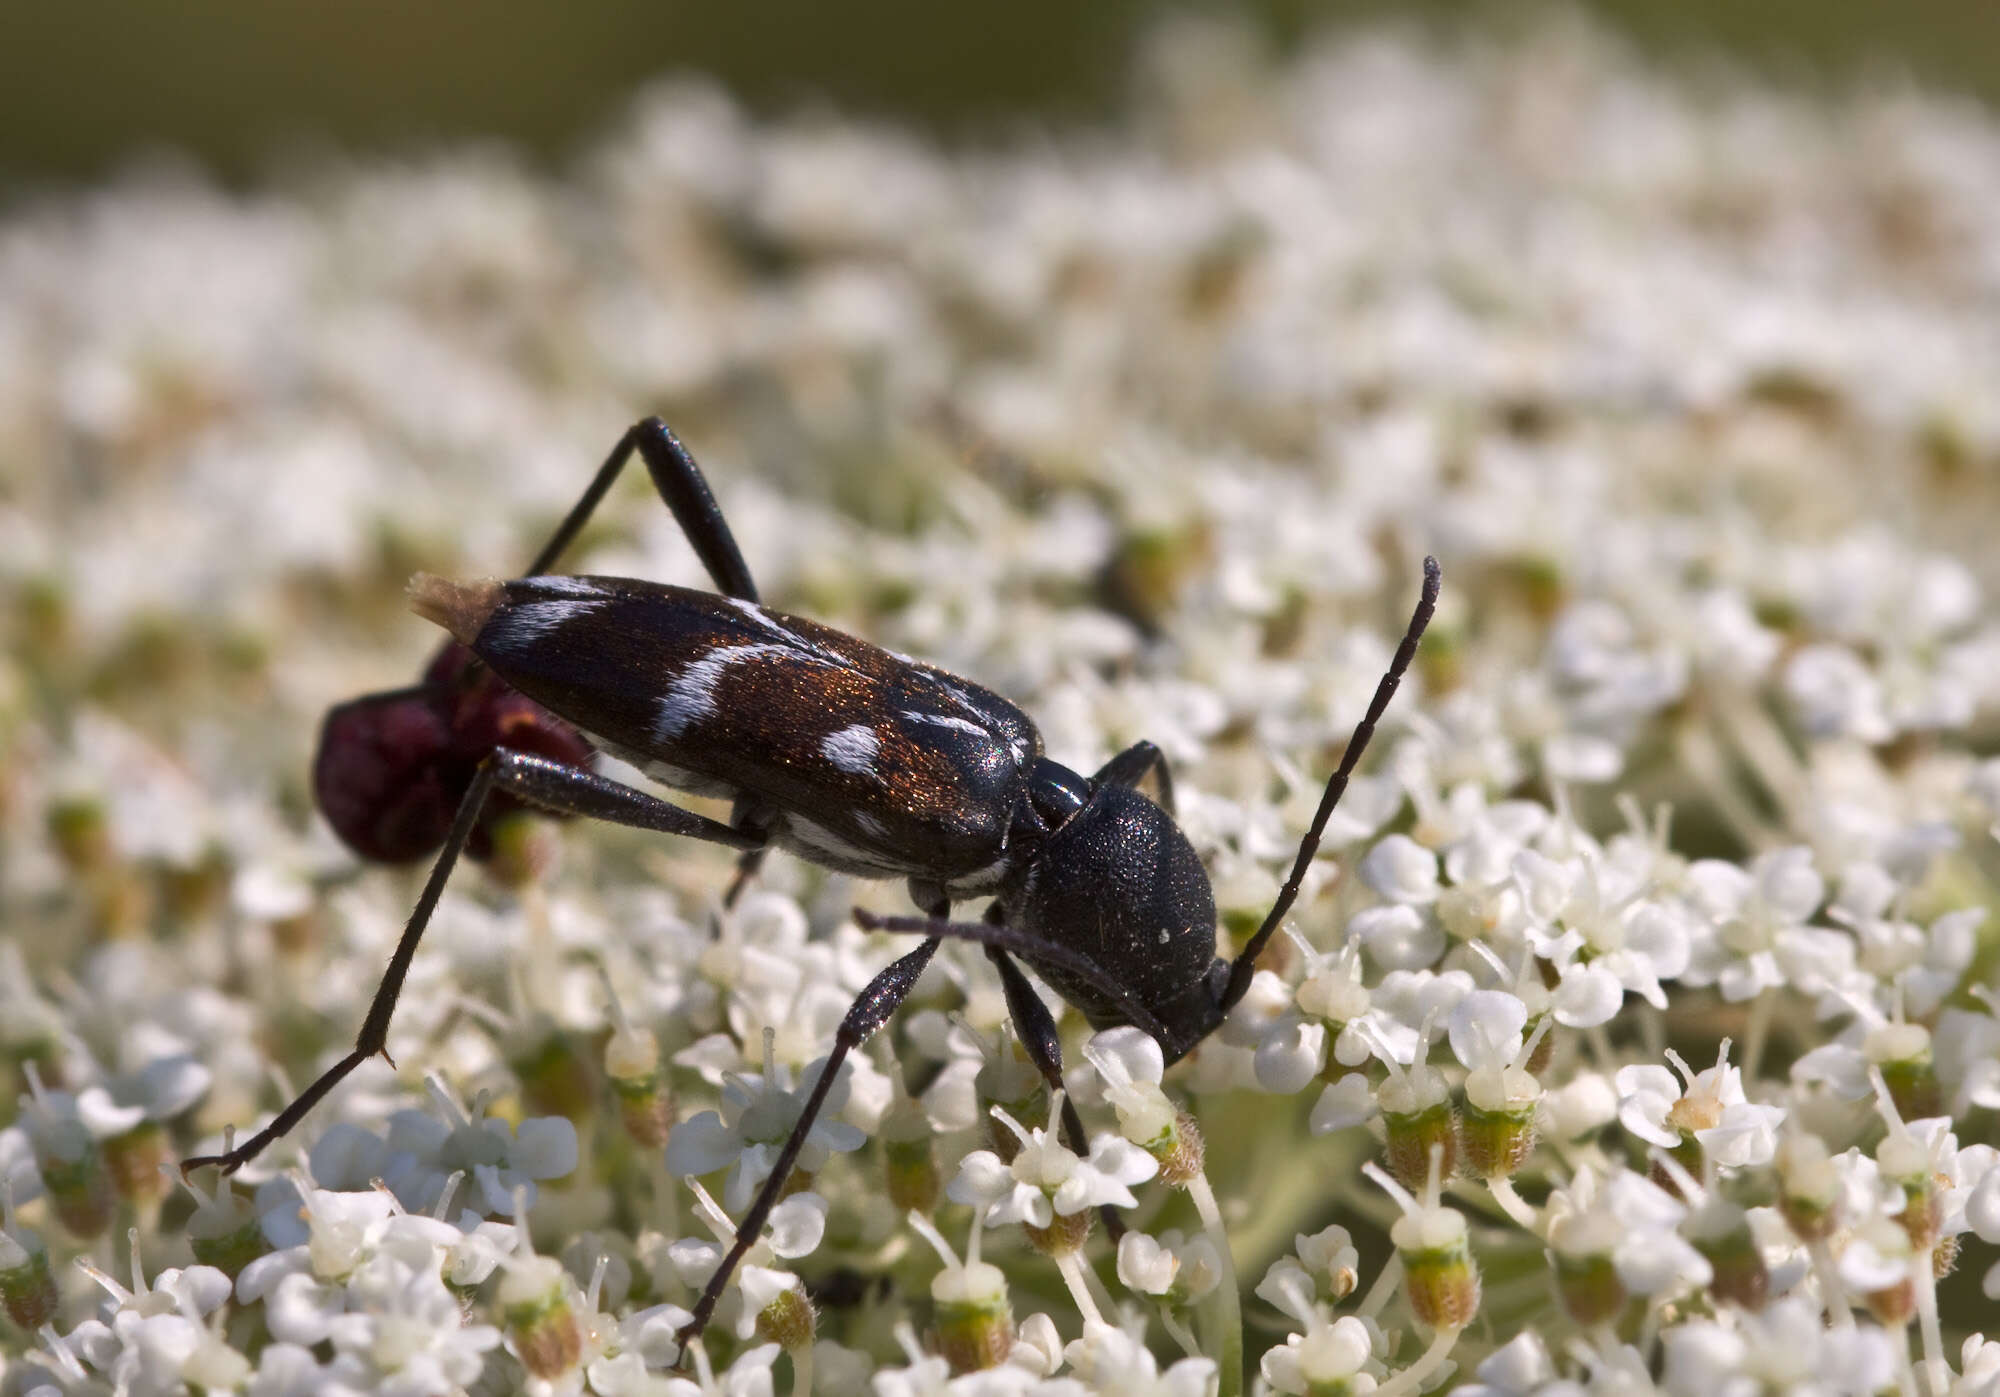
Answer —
392 768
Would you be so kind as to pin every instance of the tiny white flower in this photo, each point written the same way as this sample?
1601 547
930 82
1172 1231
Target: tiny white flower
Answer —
757 1117
1045 1178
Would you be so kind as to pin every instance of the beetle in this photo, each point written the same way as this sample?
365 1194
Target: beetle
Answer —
850 756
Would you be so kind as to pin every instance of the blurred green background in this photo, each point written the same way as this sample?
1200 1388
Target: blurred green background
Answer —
243 83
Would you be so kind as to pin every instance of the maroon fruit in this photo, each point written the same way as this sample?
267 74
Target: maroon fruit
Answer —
392 768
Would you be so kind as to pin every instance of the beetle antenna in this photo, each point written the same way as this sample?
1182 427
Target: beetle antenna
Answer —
1245 965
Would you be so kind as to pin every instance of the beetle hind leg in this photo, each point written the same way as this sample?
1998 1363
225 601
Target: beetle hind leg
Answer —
685 491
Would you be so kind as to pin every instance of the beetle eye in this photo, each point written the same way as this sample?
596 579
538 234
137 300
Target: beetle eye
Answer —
1056 792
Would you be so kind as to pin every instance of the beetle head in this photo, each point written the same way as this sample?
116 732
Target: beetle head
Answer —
1118 883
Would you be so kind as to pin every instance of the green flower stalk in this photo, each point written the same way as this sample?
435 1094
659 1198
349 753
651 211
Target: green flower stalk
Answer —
27 1287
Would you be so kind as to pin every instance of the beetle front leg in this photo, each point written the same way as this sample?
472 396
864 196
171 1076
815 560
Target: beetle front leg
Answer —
1037 1030
1130 766
553 785
870 1010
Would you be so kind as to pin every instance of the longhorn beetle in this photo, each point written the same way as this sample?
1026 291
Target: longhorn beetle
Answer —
850 756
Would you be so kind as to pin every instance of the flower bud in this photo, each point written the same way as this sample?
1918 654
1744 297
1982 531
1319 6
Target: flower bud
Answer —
133 1159
1439 1275
645 1105
525 849
1720 1231
1328 1360
535 1309
556 1079
1329 1256
223 1231
73 1172
975 1323
1498 1128
1066 1233
1902 1051
1808 1186
1010 1082
80 829
788 1320
1418 1120
27 1287
912 1179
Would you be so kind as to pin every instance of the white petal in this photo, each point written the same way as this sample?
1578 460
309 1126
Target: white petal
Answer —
1485 1028
1586 997
702 1144
104 1117
545 1147
1023 1203
1346 1102
1144 1265
836 1135
1401 870
347 1157
1129 1052
1290 1057
797 1225
1118 1158
172 1084
982 1178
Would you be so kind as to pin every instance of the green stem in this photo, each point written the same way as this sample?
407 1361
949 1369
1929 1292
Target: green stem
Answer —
1225 1310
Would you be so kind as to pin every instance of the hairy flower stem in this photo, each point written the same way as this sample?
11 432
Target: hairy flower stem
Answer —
1764 749
1923 1278
1412 1377
1386 1285
802 1369
666 1196
1756 1034
1072 1274
1833 1295
1701 755
1179 1332
1513 1204
1226 1308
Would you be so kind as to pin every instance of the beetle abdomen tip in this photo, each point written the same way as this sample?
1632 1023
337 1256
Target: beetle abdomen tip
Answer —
460 607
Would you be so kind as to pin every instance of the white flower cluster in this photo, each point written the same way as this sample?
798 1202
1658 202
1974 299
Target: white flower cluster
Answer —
1638 1029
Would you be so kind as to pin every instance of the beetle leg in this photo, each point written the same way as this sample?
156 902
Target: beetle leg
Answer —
553 785
870 1010
757 821
1037 1028
1130 766
1032 948
679 482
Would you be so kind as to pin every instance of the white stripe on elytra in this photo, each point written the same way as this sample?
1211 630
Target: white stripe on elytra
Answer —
562 584
691 696
519 626
945 720
761 619
853 749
